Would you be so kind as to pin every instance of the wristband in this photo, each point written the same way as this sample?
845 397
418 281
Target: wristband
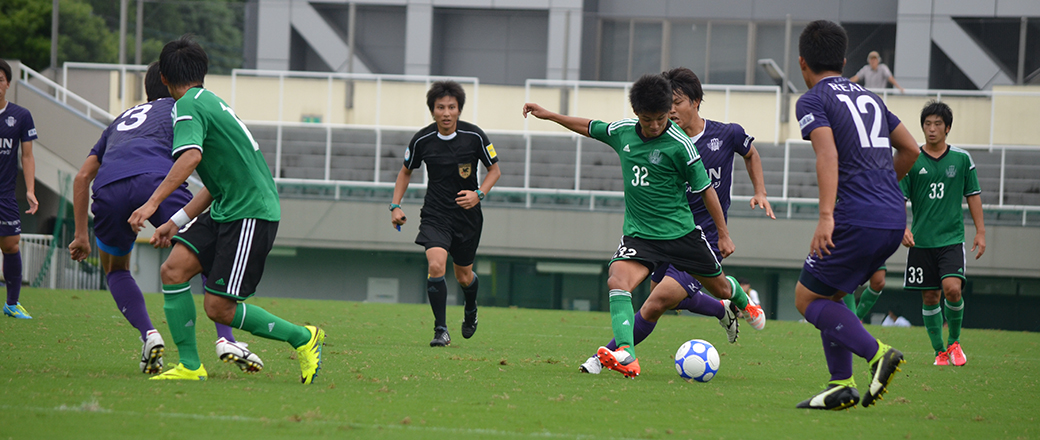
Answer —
480 194
394 206
180 218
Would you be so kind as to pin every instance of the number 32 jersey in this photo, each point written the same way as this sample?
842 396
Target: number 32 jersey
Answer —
868 193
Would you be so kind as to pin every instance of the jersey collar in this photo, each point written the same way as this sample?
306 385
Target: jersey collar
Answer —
639 131
448 137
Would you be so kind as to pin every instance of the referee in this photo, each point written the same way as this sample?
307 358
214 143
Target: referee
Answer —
450 219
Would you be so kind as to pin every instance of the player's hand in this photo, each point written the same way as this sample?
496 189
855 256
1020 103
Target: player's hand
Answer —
163 236
726 246
467 199
33 204
759 200
979 243
139 216
908 238
822 241
535 110
79 249
397 218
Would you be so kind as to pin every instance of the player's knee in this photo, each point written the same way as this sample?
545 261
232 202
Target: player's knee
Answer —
173 274
953 294
877 285
11 248
220 313
436 269
930 297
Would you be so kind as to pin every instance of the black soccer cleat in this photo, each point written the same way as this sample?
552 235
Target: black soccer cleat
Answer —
835 397
440 337
469 324
881 374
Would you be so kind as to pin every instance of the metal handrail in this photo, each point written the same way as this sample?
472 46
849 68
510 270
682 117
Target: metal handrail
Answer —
62 94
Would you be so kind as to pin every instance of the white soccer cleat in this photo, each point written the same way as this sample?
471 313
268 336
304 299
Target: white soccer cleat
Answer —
591 366
729 322
152 352
236 352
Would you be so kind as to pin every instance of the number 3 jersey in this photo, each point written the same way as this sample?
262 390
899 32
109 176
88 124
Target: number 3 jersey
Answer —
137 142
868 193
656 172
935 187
232 167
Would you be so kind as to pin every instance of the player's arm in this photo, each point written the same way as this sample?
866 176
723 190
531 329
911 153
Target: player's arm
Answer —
906 150
80 246
572 123
711 201
855 78
163 236
182 168
753 163
29 171
468 199
892 80
397 217
822 139
975 208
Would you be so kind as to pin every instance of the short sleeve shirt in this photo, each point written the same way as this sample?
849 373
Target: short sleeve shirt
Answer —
935 187
868 192
716 145
875 79
16 126
137 142
656 173
232 167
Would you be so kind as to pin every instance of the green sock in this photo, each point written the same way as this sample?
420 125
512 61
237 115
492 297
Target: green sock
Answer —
262 323
955 316
866 302
179 306
933 321
622 319
850 301
739 298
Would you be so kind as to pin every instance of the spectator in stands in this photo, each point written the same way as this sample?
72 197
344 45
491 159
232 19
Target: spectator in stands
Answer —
894 320
875 74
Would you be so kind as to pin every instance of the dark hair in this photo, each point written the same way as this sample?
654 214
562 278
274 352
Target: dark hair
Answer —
684 81
441 89
650 94
183 62
153 85
6 68
937 108
823 44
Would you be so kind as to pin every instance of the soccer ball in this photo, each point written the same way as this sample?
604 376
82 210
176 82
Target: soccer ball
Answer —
697 359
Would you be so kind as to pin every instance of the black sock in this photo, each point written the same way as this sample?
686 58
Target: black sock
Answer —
437 291
471 294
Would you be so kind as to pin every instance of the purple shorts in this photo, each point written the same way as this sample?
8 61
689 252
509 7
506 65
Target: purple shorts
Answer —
857 253
10 218
689 283
114 202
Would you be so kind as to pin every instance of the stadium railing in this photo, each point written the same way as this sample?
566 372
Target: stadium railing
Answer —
58 270
63 95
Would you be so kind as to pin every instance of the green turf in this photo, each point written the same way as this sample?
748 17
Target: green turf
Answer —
72 373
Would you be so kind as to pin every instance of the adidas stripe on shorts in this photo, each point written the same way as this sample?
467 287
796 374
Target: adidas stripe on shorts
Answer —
232 254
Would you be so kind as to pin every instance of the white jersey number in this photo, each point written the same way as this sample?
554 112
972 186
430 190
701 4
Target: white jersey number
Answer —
137 114
256 146
862 102
937 190
914 275
640 176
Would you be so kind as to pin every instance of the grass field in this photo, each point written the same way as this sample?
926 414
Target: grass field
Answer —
72 373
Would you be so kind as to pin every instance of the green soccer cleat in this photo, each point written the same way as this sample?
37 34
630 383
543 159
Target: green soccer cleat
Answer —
16 311
180 372
882 370
835 397
309 355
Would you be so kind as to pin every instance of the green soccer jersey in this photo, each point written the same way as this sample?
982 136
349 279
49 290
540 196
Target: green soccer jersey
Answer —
232 166
656 172
935 188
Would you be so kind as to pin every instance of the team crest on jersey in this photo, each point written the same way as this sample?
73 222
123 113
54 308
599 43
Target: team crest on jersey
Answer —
11 121
655 157
951 172
465 169
714 144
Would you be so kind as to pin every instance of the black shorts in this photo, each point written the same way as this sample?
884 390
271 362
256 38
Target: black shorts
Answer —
690 253
926 267
232 254
460 242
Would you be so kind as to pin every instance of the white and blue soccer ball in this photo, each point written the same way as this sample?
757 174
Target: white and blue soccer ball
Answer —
697 359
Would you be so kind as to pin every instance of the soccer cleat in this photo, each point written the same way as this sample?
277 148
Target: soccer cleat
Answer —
152 350
956 354
180 372
440 337
754 315
16 311
620 361
469 324
729 322
882 371
942 359
234 352
835 397
309 355
591 365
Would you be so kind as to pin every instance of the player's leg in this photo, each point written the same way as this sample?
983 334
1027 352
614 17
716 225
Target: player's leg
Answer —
951 266
726 287
130 303
463 253
623 276
179 306
12 272
850 301
437 293
871 294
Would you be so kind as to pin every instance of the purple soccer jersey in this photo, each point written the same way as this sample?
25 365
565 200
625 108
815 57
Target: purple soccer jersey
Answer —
868 193
716 145
16 126
137 142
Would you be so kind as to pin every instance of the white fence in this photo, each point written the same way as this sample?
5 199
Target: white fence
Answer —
59 271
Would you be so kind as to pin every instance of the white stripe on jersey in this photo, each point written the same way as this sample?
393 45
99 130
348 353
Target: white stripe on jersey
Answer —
620 123
676 133
181 118
481 140
186 147
411 157
200 93
966 153
238 268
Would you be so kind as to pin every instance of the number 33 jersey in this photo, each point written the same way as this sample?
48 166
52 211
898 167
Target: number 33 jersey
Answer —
137 142
935 186
868 193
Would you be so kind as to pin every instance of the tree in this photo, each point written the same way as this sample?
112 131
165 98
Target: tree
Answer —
82 35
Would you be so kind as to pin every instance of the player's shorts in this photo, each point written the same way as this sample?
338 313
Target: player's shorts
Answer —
461 243
10 217
690 253
687 281
926 267
114 202
856 255
232 254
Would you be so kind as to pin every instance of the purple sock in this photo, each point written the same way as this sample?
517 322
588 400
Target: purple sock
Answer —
838 323
642 329
839 359
13 276
702 304
129 300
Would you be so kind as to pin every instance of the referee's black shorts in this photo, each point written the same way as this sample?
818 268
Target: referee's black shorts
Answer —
460 241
